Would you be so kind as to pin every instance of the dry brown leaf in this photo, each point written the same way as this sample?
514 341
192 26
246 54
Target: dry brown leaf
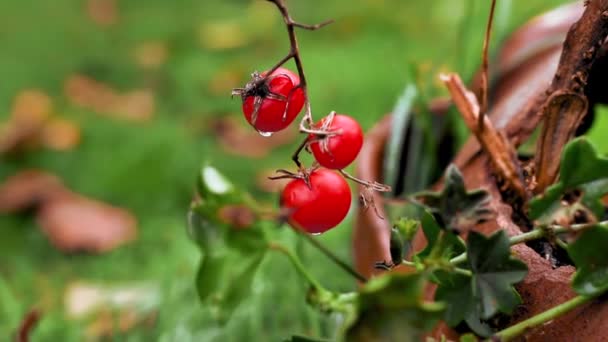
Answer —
76 223
60 134
240 140
31 109
224 81
222 35
136 105
108 323
28 189
151 55
31 106
270 185
103 12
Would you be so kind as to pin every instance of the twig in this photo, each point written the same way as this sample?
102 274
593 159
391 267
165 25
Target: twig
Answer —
294 52
27 324
499 150
484 69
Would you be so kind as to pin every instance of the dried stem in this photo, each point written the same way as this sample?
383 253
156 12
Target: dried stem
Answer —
498 148
484 69
294 52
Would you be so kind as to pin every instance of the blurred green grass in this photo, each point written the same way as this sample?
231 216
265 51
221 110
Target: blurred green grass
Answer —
357 65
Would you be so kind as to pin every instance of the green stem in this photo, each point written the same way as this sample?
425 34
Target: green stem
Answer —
447 267
521 327
346 267
295 261
538 233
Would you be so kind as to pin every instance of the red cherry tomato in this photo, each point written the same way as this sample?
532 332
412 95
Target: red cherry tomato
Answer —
338 151
271 115
320 207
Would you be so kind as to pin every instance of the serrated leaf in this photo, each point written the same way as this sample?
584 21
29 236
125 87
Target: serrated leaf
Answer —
489 290
589 255
392 308
454 207
456 290
453 244
581 168
494 273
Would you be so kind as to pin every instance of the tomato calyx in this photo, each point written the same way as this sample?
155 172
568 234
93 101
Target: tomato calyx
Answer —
324 134
259 88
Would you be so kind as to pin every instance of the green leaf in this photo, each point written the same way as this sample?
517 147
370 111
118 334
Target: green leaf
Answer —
489 290
589 255
402 233
231 255
456 290
494 272
452 245
392 308
454 207
582 170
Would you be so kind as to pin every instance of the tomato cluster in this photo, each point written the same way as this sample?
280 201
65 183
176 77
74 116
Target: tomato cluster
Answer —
316 200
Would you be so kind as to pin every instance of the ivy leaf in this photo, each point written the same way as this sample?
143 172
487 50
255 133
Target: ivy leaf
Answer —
454 207
453 244
489 290
392 308
582 172
232 252
494 273
589 255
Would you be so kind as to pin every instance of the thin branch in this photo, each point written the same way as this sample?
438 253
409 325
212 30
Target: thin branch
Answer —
294 52
484 69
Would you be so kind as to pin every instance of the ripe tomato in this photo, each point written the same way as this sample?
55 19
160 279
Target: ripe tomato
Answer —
320 207
271 115
338 151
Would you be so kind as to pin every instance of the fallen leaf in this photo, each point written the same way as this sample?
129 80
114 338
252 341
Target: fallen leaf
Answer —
222 35
31 106
113 308
28 189
103 12
224 81
76 223
151 55
108 323
31 109
135 105
239 140
60 134
82 299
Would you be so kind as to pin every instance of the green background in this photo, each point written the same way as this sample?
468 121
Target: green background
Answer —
358 66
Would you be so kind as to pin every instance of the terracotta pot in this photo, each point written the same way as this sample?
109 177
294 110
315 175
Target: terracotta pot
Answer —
526 65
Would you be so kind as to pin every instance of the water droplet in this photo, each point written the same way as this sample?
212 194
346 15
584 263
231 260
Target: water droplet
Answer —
265 134
316 234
